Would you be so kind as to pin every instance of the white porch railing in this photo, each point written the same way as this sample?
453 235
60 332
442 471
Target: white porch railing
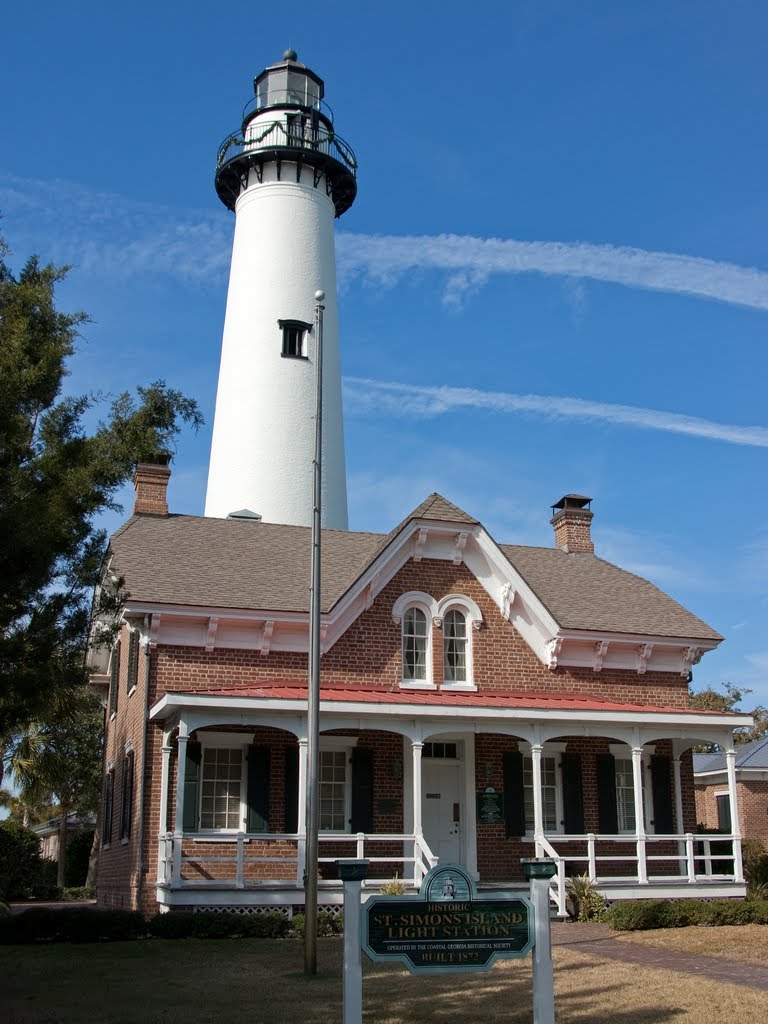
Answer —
176 850
694 862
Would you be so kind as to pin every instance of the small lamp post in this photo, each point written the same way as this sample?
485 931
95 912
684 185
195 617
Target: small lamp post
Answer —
538 871
352 873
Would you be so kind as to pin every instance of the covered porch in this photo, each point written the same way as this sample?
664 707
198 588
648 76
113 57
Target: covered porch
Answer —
410 779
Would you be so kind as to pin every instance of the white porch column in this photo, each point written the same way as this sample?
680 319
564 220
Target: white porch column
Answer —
165 772
181 771
163 871
730 764
301 851
637 780
538 808
178 817
680 825
416 748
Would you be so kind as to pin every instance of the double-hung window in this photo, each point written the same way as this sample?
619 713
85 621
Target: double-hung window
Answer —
625 794
455 647
126 800
334 790
415 645
221 789
549 793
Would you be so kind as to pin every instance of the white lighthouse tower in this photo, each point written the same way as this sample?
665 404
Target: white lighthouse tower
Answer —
287 175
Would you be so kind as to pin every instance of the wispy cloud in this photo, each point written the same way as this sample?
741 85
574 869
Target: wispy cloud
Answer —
109 234
471 261
363 396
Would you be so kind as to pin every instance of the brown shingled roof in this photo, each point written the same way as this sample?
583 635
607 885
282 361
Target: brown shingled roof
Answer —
229 563
582 591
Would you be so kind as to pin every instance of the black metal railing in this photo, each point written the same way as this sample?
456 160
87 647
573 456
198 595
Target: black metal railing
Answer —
280 135
286 98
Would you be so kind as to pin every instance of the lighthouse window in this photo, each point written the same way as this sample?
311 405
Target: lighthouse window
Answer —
294 338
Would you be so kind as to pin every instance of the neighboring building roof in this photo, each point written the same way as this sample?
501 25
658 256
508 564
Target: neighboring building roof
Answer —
74 820
236 564
586 592
748 755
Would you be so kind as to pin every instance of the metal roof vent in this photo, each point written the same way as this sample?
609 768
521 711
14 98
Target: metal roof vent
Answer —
245 513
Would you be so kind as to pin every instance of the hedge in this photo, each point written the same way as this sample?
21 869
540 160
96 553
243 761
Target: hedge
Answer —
71 924
640 915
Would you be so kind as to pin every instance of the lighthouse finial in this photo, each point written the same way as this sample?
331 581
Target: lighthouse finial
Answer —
290 55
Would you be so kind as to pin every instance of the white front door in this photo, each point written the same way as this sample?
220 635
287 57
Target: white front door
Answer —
441 809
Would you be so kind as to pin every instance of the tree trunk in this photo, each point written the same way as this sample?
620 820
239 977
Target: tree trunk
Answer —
93 861
64 809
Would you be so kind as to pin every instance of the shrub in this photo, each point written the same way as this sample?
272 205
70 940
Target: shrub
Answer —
19 860
396 887
759 910
327 923
78 892
272 925
635 915
72 924
755 859
43 886
586 903
177 924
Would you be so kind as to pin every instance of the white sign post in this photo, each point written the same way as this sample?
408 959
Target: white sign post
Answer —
352 873
539 870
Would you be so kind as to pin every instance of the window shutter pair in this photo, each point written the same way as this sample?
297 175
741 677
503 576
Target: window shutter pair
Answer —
362 790
661 789
514 806
258 758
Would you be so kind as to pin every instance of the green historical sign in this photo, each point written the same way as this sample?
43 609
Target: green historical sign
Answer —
448 926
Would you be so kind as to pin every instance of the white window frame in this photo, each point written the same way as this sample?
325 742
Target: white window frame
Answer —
723 795
623 752
555 750
426 604
473 619
224 741
336 744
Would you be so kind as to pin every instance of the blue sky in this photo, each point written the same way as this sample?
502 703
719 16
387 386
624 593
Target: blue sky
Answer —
554 277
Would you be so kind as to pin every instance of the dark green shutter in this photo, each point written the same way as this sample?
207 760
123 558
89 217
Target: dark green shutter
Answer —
514 806
608 818
362 790
573 801
661 786
291 789
258 788
133 661
191 786
114 678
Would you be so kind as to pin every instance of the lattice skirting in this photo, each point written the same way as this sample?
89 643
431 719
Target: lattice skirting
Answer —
286 909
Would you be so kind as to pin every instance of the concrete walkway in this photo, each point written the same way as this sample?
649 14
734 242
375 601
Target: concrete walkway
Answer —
599 940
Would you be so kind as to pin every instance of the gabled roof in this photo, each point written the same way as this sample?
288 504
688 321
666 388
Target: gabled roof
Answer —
256 566
753 755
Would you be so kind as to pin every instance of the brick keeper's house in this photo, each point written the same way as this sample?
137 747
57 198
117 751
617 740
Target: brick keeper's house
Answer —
480 702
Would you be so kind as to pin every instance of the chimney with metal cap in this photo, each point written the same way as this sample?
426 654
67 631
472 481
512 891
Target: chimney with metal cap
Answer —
571 519
151 483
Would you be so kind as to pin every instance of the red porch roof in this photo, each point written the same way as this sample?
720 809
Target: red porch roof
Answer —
493 699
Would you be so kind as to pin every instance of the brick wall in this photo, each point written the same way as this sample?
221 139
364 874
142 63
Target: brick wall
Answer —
119 866
753 806
369 654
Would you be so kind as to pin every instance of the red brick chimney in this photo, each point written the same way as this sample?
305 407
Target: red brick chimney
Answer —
151 483
571 519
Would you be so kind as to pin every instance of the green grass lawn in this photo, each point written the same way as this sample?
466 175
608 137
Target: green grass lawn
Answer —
255 981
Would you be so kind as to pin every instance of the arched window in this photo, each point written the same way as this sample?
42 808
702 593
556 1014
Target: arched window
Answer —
414 645
455 647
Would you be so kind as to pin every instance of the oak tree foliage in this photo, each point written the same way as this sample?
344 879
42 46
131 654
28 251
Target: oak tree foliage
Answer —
56 476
